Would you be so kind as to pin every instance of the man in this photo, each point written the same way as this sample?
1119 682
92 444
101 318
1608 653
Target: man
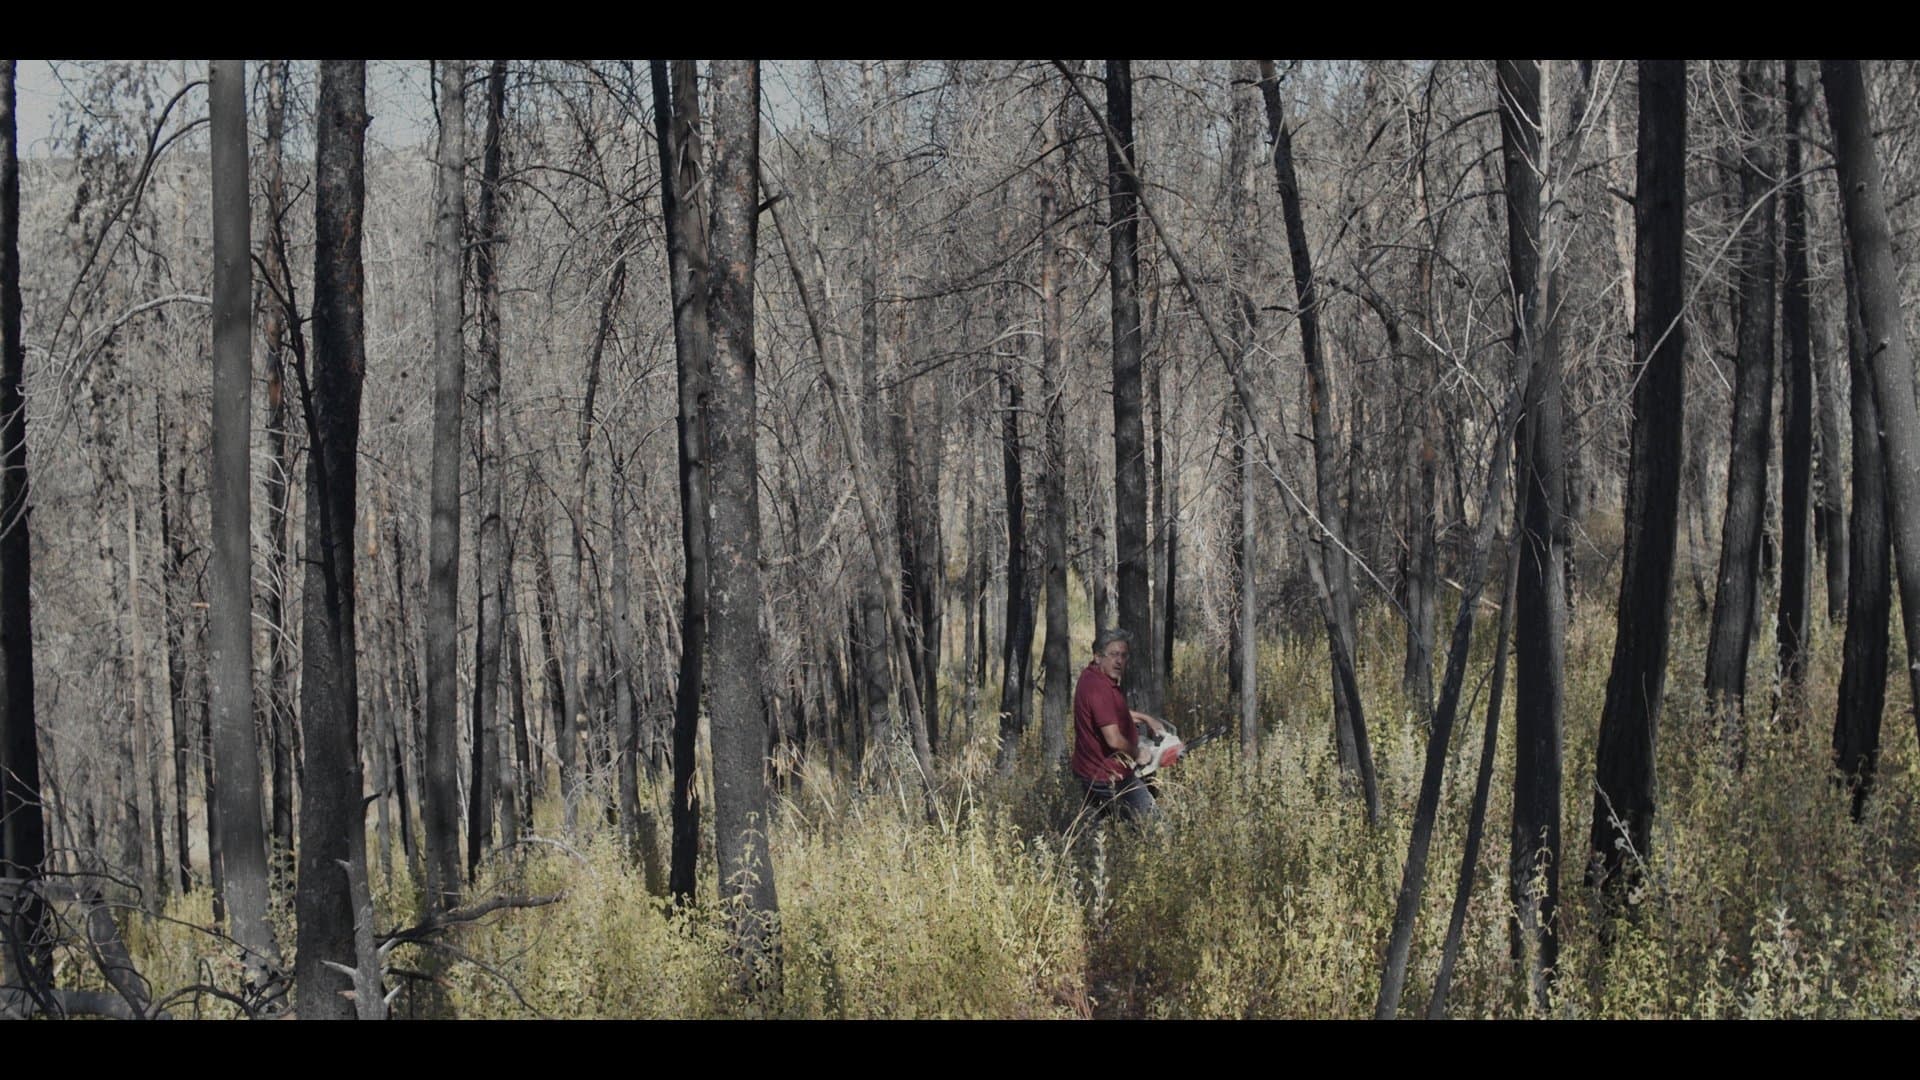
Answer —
1105 747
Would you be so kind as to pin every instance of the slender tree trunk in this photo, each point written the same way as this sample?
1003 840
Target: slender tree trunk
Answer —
1886 346
491 578
1422 571
332 830
203 727
152 758
739 733
873 643
275 333
230 661
150 869
1017 653
442 802
1830 469
1129 432
1736 593
1540 602
174 576
1349 716
1863 668
1242 537
1796 447
583 686
1243 650
1482 787
1393 972
406 733
1168 523
547 611
1624 791
29 954
1055 666
517 807
626 729
683 199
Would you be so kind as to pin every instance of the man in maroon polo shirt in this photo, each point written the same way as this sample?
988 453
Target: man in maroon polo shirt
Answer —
1105 747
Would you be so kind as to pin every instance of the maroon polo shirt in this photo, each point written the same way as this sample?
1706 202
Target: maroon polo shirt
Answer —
1098 703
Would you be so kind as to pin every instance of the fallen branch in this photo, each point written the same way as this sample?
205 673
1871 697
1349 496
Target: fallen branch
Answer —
441 920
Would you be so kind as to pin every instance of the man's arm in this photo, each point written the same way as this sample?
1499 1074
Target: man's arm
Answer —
1116 740
1154 725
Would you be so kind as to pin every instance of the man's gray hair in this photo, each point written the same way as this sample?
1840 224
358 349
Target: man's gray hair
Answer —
1110 635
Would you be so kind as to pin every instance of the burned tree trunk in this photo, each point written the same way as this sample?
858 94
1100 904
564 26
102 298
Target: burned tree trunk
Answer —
490 581
1887 349
873 643
1330 525
1242 653
739 733
442 791
22 828
277 330
333 877
1623 803
1736 593
1017 652
1830 469
230 661
1055 666
1796 446
1129 430
1863 666
683 199
173 575
1540 601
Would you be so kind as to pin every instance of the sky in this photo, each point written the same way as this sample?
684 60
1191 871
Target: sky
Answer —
398 98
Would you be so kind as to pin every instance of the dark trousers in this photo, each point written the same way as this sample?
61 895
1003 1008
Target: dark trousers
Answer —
1127 795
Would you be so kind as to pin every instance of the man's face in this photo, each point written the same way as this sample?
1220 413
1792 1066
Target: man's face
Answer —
1113 661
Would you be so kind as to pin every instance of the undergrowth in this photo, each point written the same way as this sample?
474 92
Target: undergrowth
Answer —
1264 895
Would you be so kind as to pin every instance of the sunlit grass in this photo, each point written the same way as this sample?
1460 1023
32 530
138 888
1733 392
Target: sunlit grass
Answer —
1266 895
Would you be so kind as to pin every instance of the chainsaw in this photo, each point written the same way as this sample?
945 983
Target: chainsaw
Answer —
1165 749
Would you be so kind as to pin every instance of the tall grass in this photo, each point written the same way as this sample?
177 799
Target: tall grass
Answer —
1264 895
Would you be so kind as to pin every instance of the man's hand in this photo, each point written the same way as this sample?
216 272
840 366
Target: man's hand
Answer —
1152 724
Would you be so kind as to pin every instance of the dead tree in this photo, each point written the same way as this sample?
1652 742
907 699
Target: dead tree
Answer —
28 956
1863 663
1055 666
1242 654
236 799
1331 555
333 867
1624 792
1540 600
1129 430
1796 443
490 762
1886 347
1736 592
683 204
278 332
739 732
442 789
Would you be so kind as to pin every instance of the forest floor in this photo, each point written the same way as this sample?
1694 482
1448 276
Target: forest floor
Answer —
1267 895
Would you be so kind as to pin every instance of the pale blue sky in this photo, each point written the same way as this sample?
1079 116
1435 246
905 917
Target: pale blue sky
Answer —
398 97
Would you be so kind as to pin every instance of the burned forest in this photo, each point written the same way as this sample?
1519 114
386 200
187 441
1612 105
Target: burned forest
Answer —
927 538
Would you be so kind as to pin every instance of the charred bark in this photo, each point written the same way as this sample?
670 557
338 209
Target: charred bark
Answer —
1624 790
332 832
